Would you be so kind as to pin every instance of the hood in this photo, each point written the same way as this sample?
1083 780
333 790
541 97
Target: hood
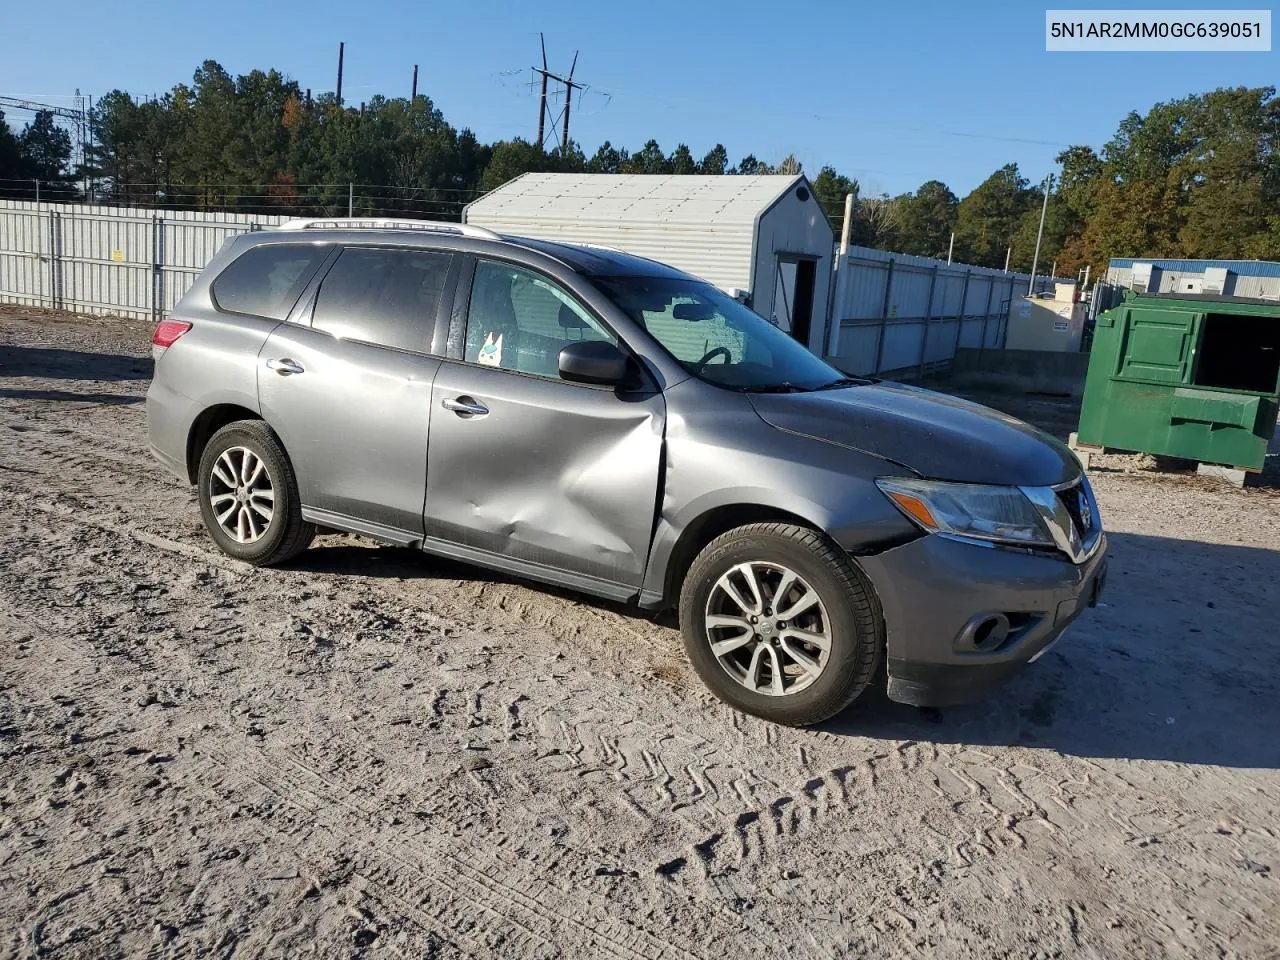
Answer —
938 436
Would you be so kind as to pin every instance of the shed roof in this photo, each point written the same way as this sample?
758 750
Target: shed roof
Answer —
676 199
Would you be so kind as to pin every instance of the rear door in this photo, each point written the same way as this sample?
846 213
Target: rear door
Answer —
349 388
527 467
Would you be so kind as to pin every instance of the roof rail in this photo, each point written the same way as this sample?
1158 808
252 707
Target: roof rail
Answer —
380 223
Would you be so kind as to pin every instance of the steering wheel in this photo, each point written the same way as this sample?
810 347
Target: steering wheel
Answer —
712 354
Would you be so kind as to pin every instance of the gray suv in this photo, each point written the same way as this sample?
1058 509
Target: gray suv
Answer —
603 422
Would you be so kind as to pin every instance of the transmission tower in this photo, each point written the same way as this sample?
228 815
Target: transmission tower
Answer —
544 108
77 115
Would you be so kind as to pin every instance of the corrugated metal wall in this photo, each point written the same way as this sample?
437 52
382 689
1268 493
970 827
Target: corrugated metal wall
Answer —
97 259
1262 282
893 313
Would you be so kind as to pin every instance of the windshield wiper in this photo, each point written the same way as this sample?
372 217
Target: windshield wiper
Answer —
845 382
785 386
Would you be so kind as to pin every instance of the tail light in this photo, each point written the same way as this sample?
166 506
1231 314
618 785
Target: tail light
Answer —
168 332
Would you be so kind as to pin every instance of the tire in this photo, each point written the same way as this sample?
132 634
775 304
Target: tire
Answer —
271 530
845 613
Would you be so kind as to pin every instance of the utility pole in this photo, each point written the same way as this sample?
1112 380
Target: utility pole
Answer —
1035 260
414 94
544 110
847 226
542 104
951 246
1007 254
568 99
341 51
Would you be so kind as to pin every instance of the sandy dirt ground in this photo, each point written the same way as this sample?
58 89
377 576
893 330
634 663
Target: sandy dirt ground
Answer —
372 753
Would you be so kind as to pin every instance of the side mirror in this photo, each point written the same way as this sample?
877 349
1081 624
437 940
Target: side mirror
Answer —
593 361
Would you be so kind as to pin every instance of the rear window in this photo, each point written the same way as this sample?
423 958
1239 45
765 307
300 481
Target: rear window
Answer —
383 296
266 280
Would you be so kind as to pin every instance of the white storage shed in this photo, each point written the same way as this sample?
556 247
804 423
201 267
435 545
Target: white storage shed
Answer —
766 236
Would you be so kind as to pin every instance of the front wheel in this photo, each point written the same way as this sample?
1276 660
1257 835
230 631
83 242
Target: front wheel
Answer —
779 623
249 496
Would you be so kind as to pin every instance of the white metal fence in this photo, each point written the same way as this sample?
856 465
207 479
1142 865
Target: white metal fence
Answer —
893 313
97 259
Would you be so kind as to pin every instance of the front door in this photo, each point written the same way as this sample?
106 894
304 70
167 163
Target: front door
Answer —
527 467
350 395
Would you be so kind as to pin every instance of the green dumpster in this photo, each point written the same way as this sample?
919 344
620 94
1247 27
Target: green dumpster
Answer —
1190 377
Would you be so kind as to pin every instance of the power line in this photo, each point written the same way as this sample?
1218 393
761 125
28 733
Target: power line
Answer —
318 199
187 187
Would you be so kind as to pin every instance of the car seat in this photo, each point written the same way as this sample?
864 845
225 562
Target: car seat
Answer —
569 320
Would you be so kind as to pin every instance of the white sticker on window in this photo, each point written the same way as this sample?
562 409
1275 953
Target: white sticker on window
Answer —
490 351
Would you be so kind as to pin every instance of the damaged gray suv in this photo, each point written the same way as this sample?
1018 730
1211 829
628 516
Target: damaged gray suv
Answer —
606 423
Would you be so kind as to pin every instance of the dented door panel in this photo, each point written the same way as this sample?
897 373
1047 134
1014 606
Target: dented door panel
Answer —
554 473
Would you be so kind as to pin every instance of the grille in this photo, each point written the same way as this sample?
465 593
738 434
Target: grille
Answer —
1077 505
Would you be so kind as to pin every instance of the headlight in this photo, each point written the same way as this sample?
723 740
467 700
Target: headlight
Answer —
981 511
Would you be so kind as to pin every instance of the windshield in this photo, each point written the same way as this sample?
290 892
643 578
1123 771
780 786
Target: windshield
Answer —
715 337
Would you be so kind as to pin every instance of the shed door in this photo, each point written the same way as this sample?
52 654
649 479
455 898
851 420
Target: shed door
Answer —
784 287
794 279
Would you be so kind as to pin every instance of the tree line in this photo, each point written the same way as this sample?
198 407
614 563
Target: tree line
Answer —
1193 177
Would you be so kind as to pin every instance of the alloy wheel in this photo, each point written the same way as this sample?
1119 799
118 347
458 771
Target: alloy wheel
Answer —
768 628
241 494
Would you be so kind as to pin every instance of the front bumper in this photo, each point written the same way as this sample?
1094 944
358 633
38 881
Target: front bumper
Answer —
961 619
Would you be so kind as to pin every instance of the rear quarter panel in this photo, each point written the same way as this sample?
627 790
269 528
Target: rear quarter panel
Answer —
214 363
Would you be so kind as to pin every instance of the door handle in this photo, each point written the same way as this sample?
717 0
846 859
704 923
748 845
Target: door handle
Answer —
285 366
465 406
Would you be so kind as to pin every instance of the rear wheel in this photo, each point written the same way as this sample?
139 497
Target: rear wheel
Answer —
779 623
249 496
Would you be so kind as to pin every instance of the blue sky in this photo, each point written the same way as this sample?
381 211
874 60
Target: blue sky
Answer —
894 93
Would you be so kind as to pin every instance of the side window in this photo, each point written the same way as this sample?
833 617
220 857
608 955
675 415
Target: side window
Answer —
383 296
521 321
266 280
